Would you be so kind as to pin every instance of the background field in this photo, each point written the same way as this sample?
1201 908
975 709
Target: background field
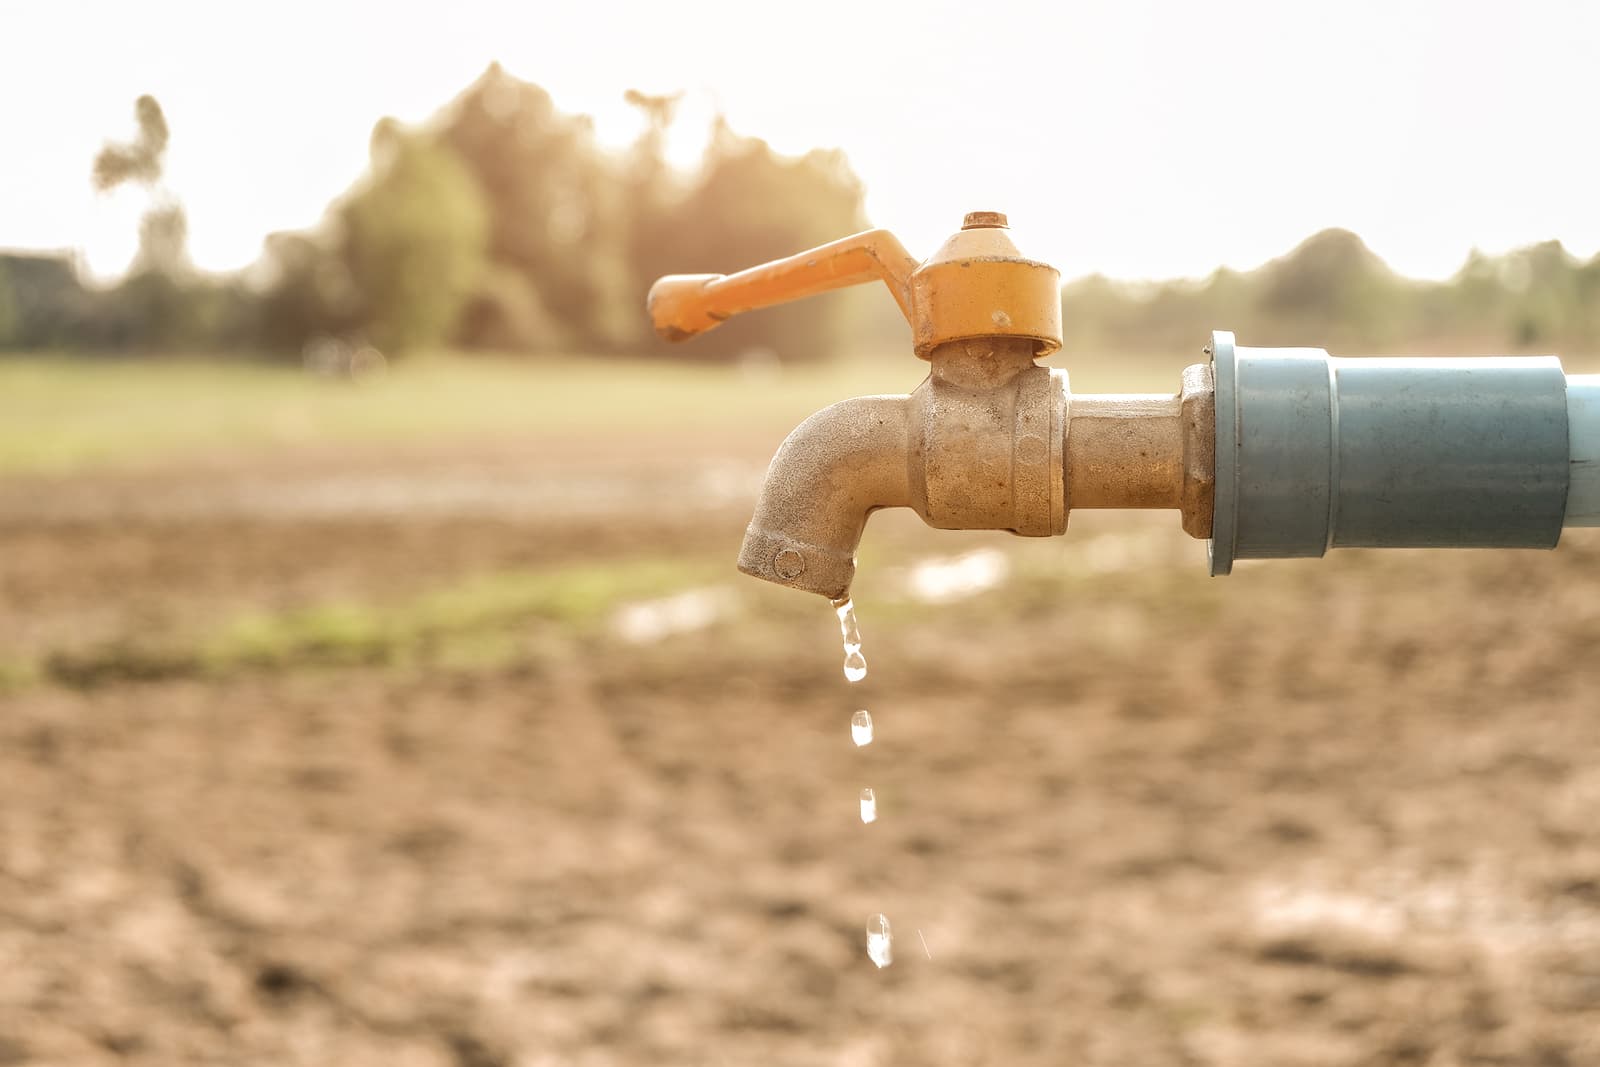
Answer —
425 721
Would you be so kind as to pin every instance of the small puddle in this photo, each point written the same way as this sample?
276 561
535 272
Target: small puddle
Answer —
645 622
945 579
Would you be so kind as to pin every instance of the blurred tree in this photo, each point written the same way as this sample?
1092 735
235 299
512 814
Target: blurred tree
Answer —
139 161
10 314
1542 294
577 236
653 194
163 231
306 292
557 210
750 205
1472 304
412 238
659 110
163 241
151 307
42 303
1330 286
1583 325
506 313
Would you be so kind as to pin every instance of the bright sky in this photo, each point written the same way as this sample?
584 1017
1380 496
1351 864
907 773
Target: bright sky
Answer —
1138 139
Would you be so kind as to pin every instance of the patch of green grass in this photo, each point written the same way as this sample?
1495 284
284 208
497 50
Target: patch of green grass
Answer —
465 620
470 623
16 675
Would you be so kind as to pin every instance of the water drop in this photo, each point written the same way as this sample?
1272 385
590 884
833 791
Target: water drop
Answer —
869 806
861 728
855 664
879 941
846 610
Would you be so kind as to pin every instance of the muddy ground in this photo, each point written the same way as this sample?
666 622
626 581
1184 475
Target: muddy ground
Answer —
1324 812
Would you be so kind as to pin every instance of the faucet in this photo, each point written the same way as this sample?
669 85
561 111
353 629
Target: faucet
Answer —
1264 452
990 440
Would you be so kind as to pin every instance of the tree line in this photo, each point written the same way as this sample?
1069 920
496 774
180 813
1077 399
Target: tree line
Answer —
501 224
1333 292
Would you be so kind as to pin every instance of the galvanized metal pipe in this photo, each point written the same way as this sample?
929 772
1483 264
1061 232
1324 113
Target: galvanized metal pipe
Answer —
1125 450
1145 450
1315 452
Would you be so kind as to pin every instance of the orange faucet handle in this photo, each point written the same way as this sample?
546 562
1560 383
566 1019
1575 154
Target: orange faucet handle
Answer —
678 305
683 305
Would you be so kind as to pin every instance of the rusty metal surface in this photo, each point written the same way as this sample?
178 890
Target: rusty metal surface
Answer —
837 467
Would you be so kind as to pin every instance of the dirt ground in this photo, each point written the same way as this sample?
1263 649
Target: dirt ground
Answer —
1321 812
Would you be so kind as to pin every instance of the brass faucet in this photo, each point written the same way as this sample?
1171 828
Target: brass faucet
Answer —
990 440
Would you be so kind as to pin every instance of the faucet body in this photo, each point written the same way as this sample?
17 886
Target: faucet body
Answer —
989 441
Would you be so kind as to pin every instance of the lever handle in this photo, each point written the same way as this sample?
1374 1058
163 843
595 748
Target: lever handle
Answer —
683 305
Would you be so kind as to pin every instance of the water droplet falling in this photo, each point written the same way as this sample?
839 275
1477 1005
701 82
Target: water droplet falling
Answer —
869 806
879 941
855 664
861 728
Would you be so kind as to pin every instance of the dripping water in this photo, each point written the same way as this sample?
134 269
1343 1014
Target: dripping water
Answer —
879 939
855 664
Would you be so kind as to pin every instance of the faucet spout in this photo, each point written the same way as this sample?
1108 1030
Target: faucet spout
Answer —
835 469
